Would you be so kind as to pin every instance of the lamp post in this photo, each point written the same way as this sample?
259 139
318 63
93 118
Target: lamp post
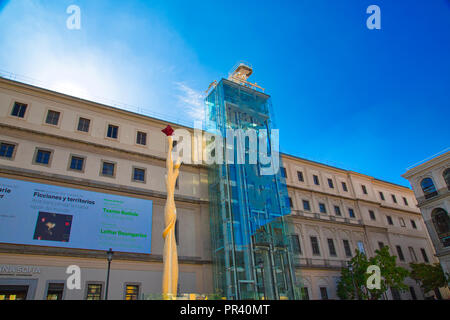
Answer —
261 268
109 257
350 268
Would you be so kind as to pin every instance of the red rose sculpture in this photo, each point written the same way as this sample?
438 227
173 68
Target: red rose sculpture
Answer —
168 130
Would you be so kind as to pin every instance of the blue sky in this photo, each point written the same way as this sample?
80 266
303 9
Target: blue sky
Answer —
372 101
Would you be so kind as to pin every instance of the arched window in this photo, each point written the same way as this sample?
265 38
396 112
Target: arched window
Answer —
429 190
446 175
441 223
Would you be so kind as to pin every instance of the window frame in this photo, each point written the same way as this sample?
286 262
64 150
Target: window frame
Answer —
138 131
107 131
102 290
11 109
69 165
313 247
133 168
47 286
50 158
77 126
13 156
309 205
48 110
300 175
135 284
102 162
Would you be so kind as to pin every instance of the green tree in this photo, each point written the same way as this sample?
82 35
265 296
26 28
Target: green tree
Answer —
353 283
430 276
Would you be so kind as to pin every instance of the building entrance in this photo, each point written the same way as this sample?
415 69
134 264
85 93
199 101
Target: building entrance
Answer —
13 292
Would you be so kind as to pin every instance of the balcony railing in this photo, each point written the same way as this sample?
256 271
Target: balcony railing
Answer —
319 263
324 217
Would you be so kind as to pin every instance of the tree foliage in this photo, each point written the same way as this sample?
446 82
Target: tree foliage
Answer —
430 276
353 284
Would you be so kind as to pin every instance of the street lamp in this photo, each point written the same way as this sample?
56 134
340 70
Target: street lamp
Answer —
350 268
109 257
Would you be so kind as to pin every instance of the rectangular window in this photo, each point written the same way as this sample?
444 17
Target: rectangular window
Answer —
413 224
108 169
306 205
351 213
305 293
405 201
412 253
139 174
364 189
177 183
389 220
141 138
283 172
7 150
83 124
413 293
112 131
55 291
324 293
402 222
94 291
372 215
131 292
300 176
394 198
77 163
380 245
331 247
381 196
296 244
316 180
400 253
395 294
337 210
344 186
19 110
424 255
330 183
52 117
322 208
347 249
361 247
315 246
43 157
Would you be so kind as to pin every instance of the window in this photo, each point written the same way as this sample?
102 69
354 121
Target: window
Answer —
400 253
305 293
108 169
77 163
141 138
446 176
344 186
372 215
351 213
428 188
177 183
441 223
283 172
405 201
83 124
7 150
424 255
381 196
413 224
394 198
300 176
330 183
131 292
315 246
389 220
395 294
364 189
94 291
55 291
296 244
322 208
331 247
112 131
19 110
337 210
316 180
402 222
412 253
306 205
348 251
361 247
413 293
139 174
323 293
52 117
291 204
43 157
380 245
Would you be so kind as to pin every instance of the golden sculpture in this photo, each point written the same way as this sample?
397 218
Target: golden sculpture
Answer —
170 256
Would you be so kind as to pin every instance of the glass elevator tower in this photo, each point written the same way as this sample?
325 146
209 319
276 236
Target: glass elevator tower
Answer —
251 247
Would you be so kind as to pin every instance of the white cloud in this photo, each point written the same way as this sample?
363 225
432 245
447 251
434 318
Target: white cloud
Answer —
191 101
